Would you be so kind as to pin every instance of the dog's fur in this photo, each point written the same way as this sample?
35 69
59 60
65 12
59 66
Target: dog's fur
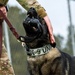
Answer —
55 62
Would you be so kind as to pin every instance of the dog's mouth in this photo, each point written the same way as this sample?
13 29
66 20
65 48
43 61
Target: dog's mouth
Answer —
32 27
33 30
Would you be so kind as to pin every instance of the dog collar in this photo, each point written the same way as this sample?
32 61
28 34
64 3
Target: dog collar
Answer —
39 51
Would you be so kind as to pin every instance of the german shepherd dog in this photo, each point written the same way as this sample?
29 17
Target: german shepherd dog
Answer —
44 58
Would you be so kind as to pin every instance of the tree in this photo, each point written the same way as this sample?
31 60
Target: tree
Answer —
68 46
59 42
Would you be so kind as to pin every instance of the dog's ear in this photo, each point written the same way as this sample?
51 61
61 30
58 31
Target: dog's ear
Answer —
32 12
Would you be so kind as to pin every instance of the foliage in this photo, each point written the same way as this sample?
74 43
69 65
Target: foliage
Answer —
59 41
68 47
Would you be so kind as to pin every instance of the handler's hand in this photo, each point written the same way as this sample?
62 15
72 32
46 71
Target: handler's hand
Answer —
3 9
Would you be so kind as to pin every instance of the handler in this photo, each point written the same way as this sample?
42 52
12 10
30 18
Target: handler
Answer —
5 65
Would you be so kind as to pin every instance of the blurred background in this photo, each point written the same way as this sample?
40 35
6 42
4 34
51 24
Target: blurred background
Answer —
62 16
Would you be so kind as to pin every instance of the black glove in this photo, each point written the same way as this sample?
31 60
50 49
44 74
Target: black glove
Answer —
53 44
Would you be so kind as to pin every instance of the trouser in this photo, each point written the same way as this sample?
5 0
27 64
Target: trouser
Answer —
5 65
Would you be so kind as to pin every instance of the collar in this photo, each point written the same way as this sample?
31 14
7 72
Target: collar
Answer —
39 51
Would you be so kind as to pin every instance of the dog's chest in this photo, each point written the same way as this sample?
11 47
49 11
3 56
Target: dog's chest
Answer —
41 65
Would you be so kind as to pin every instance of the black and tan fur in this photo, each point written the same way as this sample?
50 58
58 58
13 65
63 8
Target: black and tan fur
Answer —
55 62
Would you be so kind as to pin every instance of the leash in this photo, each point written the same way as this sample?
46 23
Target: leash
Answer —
9 25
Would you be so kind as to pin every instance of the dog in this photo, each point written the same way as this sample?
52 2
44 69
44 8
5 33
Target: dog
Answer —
44 58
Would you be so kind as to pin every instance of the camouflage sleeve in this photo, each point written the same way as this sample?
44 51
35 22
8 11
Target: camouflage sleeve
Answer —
33 3
3 2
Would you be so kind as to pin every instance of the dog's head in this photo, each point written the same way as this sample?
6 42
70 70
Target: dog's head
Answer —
32 25
36 30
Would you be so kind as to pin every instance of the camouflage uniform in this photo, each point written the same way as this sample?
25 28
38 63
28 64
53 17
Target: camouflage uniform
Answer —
33 3
29 3
5 65
3 2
